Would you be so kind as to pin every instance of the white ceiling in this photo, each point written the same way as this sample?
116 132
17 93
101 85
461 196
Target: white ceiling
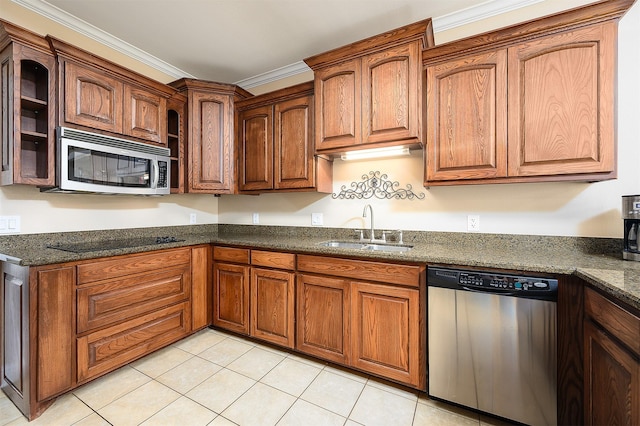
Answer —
234 40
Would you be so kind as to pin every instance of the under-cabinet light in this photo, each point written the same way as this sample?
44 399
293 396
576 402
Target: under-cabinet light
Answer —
391 151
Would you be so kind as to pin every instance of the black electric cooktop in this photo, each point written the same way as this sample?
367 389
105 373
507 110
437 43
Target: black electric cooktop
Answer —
89 246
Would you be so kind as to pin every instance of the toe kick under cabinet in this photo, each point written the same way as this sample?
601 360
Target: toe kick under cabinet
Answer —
66 324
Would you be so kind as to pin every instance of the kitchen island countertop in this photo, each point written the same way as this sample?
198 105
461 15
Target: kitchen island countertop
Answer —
596 260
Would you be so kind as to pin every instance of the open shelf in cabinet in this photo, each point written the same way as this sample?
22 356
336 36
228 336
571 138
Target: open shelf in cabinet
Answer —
173 143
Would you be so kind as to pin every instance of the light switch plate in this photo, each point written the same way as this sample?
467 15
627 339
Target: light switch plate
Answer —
192 219
9 224
255 218
316 219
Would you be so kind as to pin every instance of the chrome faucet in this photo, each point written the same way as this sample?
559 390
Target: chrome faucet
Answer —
364 214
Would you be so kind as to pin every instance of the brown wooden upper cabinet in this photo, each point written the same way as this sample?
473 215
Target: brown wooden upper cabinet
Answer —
210 120
275 143
531 102
369 93
100 95
27 93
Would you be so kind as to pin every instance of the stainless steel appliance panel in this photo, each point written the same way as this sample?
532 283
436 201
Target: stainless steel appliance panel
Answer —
494 352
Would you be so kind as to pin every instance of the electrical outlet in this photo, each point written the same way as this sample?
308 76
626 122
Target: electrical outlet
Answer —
192 219
473 223
255 218
316 219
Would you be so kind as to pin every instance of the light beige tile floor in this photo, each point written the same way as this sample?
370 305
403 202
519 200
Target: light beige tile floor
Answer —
217 379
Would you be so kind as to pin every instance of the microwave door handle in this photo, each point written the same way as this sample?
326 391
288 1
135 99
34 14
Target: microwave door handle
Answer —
155 174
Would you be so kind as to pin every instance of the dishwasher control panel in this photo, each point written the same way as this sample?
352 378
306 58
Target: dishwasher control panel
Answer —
486 281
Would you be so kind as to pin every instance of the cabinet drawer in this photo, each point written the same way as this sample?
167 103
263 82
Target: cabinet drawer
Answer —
119 299
272 259
119 266
390 273
108 349
616 320
231 254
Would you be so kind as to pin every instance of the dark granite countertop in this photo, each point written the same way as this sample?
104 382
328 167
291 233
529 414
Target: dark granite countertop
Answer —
596 260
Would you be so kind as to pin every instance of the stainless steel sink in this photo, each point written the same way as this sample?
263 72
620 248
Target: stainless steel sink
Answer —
343 244
387 247
354 245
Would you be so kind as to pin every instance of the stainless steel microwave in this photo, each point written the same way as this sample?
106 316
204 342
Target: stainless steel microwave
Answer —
94 163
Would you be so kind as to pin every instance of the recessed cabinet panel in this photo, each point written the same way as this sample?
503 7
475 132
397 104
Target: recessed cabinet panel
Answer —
210 146
561 103
144 115
256 149
323 317
231 297
92 99
390 94
272 306
109 348
385 331
337 92
294 160
466 102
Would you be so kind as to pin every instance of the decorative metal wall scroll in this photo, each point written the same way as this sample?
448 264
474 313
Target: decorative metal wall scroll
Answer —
377 185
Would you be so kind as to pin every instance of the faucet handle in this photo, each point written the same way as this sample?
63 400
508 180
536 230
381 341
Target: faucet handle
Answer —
384 236
359 234
400 236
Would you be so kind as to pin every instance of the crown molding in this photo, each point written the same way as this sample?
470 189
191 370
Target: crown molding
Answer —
275 75
446 22
477 13
58 15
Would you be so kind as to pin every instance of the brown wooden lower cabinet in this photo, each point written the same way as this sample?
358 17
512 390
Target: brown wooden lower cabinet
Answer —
66 324
323 317
231 297
385 327
611 363
272 305
345 316
112 347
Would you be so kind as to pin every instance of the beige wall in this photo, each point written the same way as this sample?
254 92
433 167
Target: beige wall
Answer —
578 209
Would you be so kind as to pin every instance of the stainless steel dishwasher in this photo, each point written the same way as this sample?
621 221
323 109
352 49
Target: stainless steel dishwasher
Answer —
492 343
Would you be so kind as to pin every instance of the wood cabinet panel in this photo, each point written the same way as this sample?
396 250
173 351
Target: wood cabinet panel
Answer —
231 297
467 106
210 144
390 273
272 306
385 331
256 148
119 266
323 317
107 349
119 299
15 347
391 95
201 294
55 330
231 254
276 146
561 105
272 259
624 324
92 99
144 115
293 144
612 380
370 93
337 98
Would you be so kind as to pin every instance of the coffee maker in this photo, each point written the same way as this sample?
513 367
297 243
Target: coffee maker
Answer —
631 216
